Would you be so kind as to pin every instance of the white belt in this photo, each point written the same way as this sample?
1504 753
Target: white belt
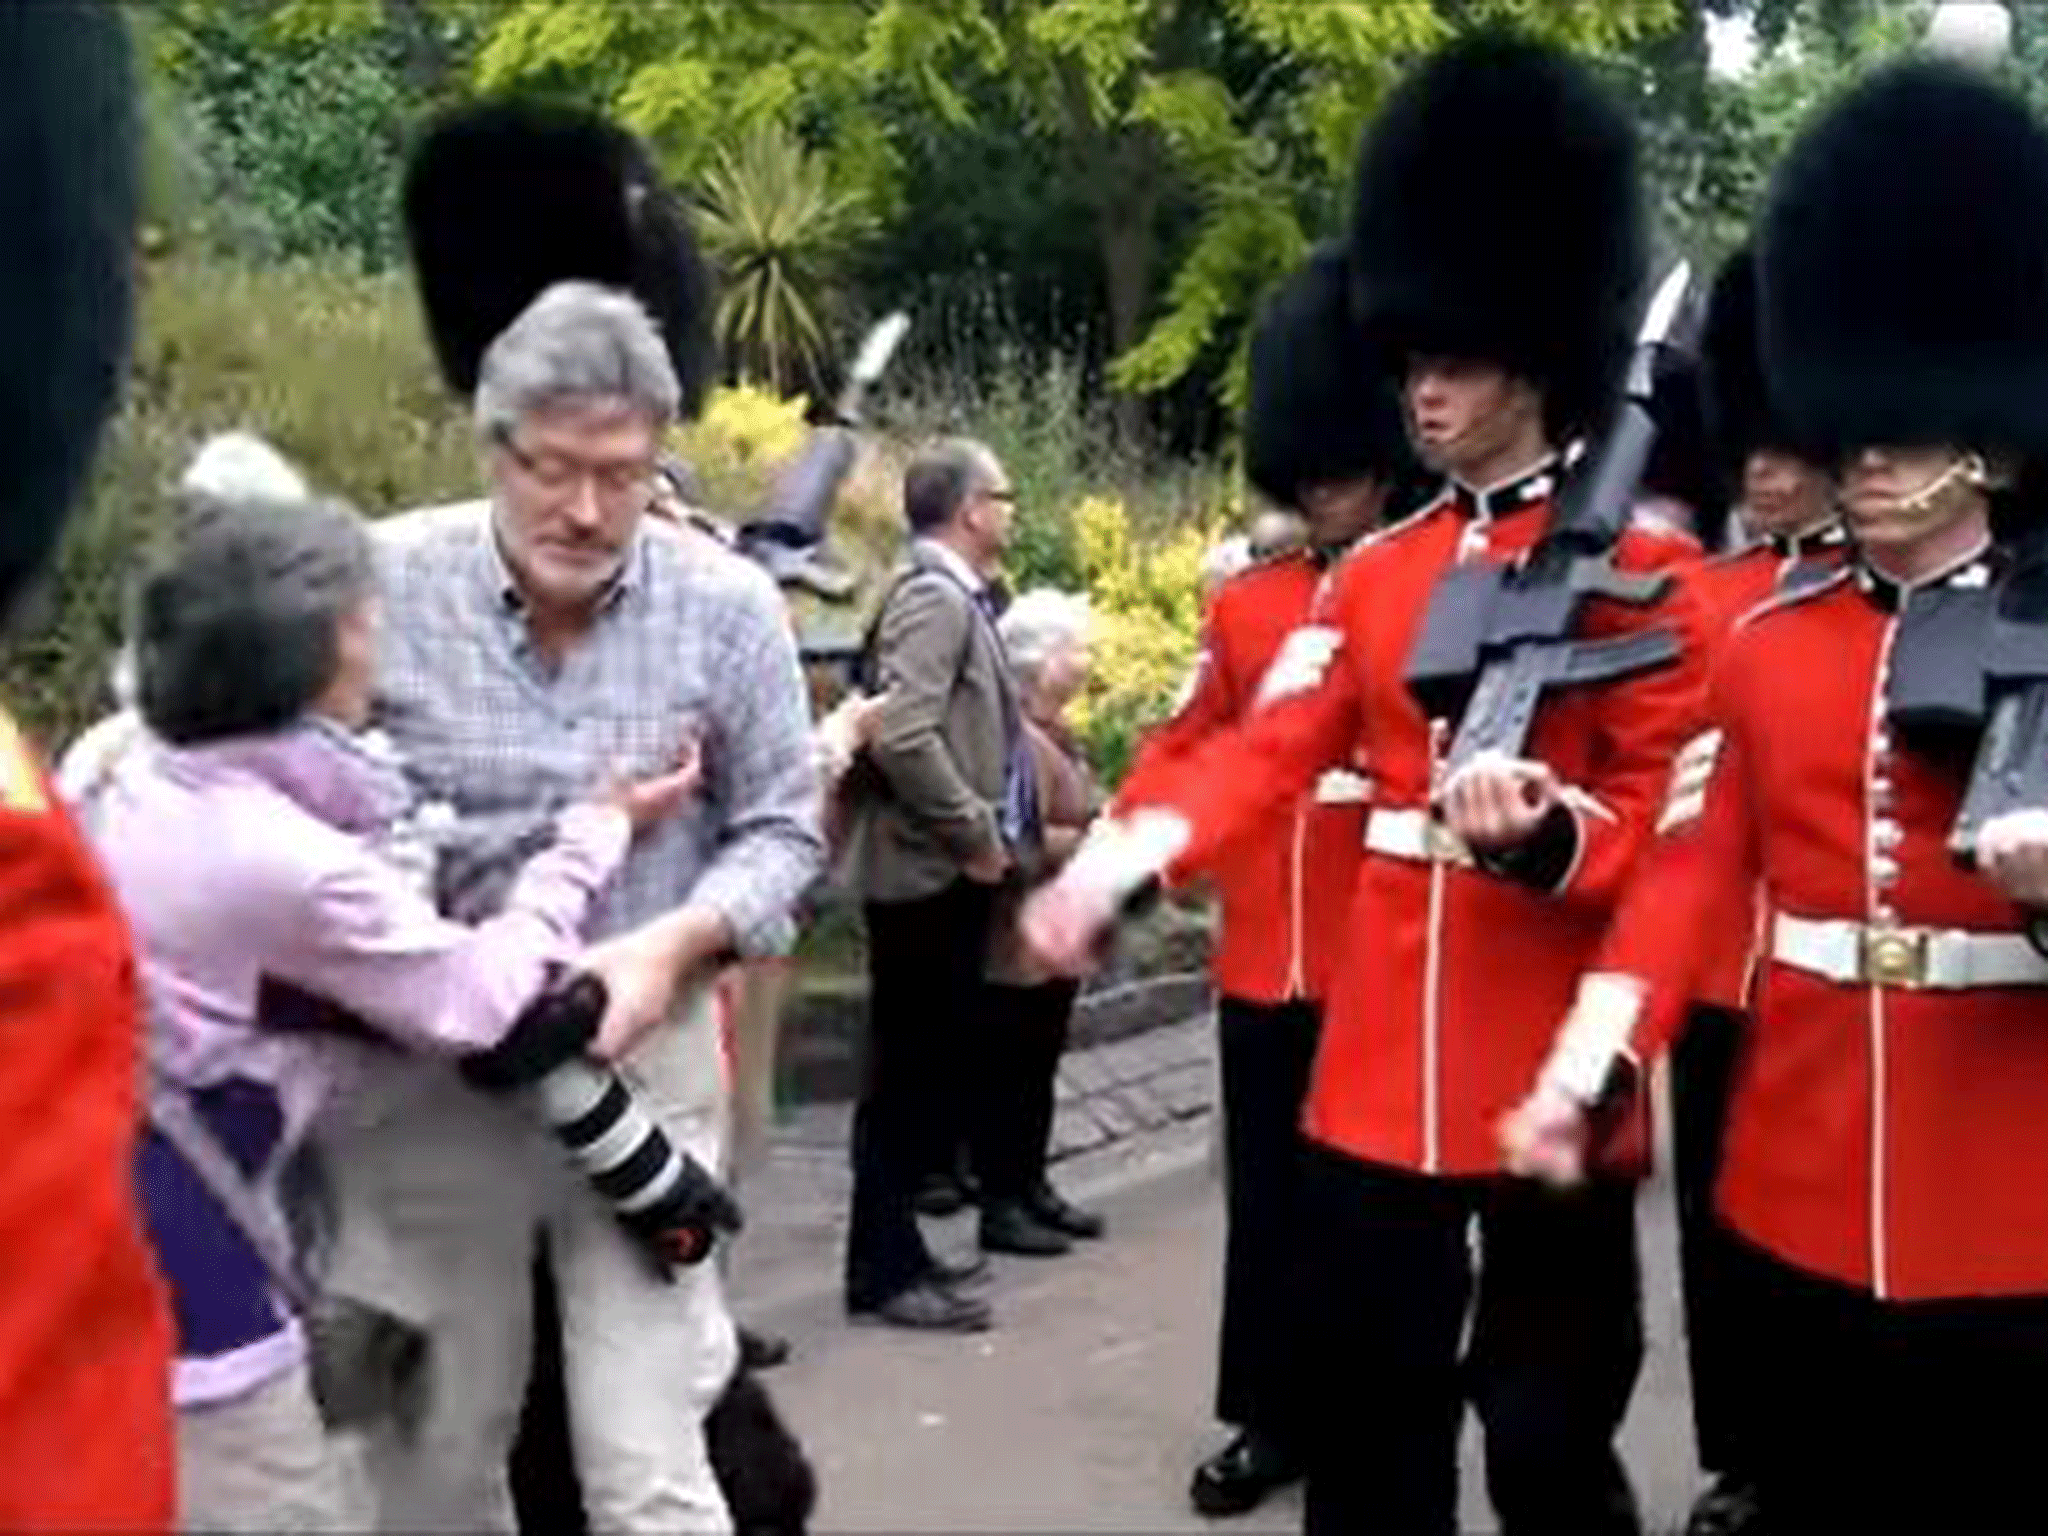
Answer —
1416 836
1340 786
1936 959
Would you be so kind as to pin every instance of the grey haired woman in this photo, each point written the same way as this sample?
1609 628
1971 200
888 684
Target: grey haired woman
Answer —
1045 634
248 834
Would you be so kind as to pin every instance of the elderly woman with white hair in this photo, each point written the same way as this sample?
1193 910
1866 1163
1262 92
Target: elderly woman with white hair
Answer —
1046 634
252 833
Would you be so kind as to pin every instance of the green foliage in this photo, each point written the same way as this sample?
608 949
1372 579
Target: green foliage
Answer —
1249 110
328 364
287 122
777 231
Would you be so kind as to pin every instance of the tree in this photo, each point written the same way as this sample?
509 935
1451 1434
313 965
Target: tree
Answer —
776 231
1251 107
292 115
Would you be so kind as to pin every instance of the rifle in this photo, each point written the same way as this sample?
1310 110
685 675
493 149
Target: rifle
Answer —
1975 660
1497 638
788 536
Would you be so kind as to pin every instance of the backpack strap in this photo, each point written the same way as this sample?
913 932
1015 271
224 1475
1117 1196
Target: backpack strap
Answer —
866 675
174 1117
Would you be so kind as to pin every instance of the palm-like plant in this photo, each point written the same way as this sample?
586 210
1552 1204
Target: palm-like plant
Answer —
777 230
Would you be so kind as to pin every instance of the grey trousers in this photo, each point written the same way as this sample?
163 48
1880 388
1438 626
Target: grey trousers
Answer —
441 1193
263 1462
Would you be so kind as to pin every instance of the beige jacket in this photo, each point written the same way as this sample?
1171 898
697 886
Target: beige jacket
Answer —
924 801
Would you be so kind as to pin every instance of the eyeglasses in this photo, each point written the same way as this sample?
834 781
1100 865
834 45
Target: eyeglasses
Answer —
559 475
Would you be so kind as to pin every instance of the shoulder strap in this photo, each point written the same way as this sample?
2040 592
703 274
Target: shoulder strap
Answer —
865 677
173 1116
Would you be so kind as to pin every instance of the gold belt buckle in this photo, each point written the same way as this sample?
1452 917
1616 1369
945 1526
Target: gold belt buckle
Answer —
1894 957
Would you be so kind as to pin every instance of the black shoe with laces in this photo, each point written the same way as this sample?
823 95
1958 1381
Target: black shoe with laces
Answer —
762 1351
930 1308
1241 1476
1050 1208
1010 1228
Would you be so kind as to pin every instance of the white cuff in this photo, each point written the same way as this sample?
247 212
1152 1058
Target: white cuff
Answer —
1595 1033
1121 853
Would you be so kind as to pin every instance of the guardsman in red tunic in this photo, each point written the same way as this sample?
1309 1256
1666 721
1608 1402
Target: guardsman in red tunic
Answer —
85 1329
1316 441
1787 511
1497 260
1885 1168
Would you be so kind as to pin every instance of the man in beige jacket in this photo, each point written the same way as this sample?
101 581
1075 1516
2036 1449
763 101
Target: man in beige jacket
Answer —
945 794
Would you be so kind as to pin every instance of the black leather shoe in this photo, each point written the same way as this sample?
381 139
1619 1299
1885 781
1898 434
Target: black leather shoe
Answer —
941 1195
971 1270
1050 1209
1010 1228
762 1351
1729 1508
1241 1476
931 1308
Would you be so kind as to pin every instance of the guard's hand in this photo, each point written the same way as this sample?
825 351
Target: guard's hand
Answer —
2012 853
1545 1137
649 802
1495 802
1064 919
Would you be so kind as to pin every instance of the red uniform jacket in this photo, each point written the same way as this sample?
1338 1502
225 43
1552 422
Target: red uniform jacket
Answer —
1731 587
1891 1139
1283 883
85 1328
1451 980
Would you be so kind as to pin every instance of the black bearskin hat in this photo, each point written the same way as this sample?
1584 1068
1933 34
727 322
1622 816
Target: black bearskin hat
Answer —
68 189
1498 216
1680 465
1740 417
505 198
1903 268
1319 408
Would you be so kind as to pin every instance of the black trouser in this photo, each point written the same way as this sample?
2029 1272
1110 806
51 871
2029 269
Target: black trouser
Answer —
1016 1059
1556 1344
925 1006
546 1492
1266 1052
1922 1417
1703 1064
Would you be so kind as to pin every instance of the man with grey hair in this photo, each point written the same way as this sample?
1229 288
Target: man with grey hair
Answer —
933 831
538 642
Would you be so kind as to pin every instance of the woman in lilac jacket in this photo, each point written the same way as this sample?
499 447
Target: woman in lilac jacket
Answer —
262 848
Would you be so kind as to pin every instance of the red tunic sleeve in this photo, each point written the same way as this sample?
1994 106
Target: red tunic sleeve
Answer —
85 1331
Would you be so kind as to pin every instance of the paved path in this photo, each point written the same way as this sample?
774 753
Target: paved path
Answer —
1086 1407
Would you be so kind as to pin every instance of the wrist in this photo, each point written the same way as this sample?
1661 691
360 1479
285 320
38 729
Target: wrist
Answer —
1592 1061
1123 855
1543 859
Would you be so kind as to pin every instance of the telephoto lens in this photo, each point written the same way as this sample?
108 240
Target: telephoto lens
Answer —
667 1202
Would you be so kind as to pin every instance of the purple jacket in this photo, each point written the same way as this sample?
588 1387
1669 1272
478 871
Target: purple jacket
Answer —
267 862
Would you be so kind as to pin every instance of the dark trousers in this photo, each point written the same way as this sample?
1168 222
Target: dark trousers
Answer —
547 1495
925 1007
1016 1057
1923 1417
1556 1342
1266 1051
1703 1064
